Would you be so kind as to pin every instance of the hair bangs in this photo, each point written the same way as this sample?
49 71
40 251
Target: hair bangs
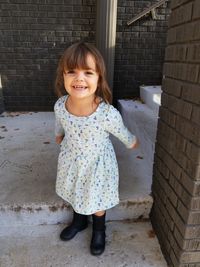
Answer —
76 59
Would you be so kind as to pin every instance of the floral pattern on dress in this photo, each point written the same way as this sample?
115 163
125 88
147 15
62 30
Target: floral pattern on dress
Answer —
87 173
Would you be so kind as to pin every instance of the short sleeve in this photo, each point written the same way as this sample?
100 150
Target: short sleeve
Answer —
59 130
114 125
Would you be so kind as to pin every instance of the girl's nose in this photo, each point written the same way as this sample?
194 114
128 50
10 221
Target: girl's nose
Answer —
79 77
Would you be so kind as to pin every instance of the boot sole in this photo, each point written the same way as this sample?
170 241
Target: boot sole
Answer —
97 253
67 239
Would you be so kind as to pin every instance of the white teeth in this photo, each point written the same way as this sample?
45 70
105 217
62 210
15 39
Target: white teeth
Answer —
79 87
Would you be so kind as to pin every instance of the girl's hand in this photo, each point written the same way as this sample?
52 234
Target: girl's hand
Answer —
135 145
59 139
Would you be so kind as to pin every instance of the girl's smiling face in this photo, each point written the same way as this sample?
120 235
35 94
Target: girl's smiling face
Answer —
82 83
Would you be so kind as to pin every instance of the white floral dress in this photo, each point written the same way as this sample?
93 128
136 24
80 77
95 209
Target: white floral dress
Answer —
87 175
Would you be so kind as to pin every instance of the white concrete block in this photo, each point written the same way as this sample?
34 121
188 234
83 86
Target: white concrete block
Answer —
151 96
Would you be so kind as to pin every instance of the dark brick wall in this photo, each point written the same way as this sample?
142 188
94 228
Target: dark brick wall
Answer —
176 178
140 47
34 33
1 99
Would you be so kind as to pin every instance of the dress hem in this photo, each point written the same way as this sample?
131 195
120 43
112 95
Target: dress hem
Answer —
90 213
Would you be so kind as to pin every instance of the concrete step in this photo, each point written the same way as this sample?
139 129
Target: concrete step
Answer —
28 162
151 96
141 120
127 244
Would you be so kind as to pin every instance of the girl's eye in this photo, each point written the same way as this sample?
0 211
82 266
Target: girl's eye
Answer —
89 72
70 71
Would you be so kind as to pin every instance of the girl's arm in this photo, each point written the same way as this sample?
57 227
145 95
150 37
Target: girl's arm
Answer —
135 144
59 130
59 139
114 125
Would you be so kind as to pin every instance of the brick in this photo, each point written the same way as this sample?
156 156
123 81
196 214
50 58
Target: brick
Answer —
172 165
192 232
165 220
183 211
168 220
28 7
192 186
9 7
47 20
176 217
181 192
88 2
196 30
196 188
174 245
159 189
167 116
195 203
166 136
194 218
193 152
180 52
18 1
181 15
172 87
186 32
51 2
179 238
187 245
180 142
171 36
193 170
46 8
193 53
167 190
196 115
176 105
167 70
190 257
177 3
192 73
192 245
190 92
180 157
188 129
165 245
174 260
196 10
162 167
182 71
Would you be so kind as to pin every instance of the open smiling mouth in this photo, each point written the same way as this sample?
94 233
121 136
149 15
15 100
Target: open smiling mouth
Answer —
80 88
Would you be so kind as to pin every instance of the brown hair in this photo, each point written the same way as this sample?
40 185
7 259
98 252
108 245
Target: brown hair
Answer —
75 57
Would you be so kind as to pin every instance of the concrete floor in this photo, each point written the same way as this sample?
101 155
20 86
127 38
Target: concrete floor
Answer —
28 164
127 245
31 212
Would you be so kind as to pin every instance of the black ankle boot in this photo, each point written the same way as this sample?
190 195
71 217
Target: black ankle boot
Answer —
97 246
79 223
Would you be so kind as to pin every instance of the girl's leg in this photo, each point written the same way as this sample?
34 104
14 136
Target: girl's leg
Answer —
79 223
100 213
97 245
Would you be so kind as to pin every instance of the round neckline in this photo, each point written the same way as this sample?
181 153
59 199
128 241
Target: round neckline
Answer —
80 117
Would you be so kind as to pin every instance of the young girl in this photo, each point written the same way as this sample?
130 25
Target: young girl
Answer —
87 174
